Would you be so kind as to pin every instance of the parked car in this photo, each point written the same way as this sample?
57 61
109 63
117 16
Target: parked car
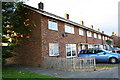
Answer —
113 49
117 51
100 55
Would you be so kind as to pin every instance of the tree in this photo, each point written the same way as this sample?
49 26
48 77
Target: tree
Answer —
14 27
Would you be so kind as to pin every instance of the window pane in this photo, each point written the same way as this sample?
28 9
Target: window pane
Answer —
83 47
56 49
68 49
103 37
90 46
101 46
89 34
71 50
80 31
99 36
53 49
66 28
72 30
95 35
69 29
53 25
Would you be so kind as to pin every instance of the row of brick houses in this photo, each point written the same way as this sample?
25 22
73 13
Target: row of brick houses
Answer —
55 36
116 39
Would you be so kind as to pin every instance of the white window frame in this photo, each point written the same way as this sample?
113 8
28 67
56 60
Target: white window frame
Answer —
83 46
52 25
99 36
71 29
89 34
90 46
101 46
81 31
71 45
52 45
103 37
95 35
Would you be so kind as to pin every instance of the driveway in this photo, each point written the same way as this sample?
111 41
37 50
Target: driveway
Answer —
70 74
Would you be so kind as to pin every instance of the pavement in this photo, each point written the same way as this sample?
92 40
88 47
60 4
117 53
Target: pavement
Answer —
107 64
113 73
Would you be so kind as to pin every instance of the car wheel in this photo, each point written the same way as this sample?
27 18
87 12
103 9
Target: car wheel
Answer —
113 60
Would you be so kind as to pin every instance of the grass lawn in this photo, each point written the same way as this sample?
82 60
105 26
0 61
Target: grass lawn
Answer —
14 73
109 66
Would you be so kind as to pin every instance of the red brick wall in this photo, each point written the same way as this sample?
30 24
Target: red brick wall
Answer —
116 40
90 39
104 42
97 40
51 36
29 53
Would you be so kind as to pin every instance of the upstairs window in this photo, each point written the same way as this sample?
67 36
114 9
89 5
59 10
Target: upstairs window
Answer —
52 25
69 29
103 37
89 34
99 36
53 49
95 35
81 31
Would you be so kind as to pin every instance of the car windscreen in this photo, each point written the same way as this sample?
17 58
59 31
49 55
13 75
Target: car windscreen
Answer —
106 51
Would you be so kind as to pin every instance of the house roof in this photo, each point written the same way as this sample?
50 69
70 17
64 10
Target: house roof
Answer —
62 19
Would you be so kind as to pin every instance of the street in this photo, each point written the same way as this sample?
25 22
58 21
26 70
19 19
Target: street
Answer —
113 73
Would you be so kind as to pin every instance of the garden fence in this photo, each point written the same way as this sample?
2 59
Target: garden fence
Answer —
78 63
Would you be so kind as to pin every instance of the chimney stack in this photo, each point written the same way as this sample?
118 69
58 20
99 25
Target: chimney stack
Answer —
113 33
66 16
82 23
103 32
98 29
91 26
40 6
